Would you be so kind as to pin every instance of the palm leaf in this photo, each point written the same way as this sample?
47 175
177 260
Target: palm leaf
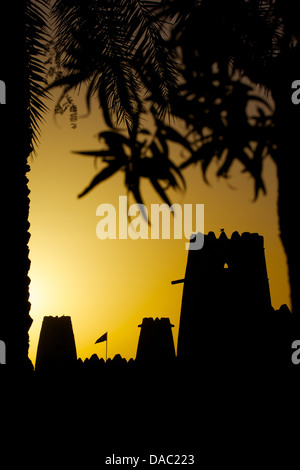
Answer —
95 153
161 192
36 37
104 174
115 46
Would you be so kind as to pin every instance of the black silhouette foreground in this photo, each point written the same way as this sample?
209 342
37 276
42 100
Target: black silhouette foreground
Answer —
227 320
232 372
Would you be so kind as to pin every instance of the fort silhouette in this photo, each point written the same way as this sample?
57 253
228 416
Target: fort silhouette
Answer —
226 315
233 353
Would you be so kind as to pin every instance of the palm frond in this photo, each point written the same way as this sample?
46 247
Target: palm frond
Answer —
139 160
36 36
104 174
115 47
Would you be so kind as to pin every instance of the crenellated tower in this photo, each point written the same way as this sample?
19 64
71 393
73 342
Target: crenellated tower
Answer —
226 296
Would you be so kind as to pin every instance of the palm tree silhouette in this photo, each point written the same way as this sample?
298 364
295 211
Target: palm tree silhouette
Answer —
124 53
258 40
118 49
26 66
207 45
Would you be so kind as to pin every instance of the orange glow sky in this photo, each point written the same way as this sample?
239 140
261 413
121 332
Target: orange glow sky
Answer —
110 285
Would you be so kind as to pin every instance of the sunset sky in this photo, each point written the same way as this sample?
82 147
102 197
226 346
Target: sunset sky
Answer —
110 285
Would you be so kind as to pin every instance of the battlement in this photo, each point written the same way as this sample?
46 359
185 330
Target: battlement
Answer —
244 253
149 322
245 238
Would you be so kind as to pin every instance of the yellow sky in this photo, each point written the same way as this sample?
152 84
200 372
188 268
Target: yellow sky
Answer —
110 285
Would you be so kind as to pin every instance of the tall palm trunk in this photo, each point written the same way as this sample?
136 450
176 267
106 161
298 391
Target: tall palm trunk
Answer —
287 117
15 320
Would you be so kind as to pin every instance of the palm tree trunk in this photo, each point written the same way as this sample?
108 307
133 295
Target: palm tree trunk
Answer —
287 117
288 208
15 320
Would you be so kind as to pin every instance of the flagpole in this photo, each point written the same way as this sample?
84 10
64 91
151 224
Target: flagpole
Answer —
100 340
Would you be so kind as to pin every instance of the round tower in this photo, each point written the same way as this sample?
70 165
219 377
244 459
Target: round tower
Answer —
56 348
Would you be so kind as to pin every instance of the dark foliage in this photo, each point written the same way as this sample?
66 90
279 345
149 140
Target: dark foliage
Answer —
223 119
36 34
117 48
217 50
141 155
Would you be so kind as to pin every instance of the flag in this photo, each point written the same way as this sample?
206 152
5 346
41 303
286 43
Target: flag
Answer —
102 338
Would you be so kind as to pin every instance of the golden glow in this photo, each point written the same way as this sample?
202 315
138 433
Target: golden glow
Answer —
110 285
